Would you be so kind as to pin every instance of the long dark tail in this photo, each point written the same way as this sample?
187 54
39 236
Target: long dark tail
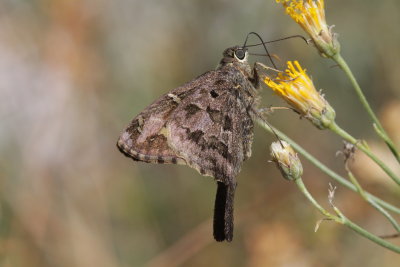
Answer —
223 212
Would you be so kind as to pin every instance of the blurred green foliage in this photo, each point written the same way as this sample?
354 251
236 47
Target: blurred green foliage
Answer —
73 74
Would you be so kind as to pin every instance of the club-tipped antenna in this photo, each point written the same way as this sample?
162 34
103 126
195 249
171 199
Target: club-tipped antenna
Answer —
263 43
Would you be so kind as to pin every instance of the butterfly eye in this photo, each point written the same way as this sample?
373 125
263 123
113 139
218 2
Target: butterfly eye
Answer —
240 54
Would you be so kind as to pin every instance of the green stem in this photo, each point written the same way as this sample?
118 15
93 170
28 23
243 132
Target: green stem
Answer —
343 220
323 167
303 189
335 128
354 180
387 140
370 236
382 133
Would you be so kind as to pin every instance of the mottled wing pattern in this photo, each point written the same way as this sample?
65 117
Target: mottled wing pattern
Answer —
145 138
211 128
204 124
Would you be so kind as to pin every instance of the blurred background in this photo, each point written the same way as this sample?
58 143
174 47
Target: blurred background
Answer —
74 73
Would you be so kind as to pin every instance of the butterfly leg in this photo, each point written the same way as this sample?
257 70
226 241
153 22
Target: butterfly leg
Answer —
223 211
258 65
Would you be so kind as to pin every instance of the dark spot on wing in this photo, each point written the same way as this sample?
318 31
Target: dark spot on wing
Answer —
227 123
160 159
195 136
191 110
222 149
214 94
219 146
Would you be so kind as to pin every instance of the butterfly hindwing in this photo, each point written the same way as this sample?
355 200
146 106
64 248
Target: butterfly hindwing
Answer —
145 138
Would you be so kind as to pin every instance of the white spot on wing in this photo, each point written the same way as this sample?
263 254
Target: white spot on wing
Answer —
175 98
129 142
125 136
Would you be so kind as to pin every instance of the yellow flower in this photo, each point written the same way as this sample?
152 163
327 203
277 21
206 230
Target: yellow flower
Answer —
297 89
286 160
310 15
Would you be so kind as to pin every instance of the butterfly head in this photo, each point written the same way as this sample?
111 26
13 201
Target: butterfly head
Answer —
236 56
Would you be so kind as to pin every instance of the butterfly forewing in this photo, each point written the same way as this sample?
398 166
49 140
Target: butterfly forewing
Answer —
207 129
145 138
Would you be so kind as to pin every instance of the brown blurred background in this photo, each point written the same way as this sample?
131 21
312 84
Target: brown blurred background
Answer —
74 73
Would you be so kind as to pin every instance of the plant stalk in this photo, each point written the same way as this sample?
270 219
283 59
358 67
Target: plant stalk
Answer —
380 130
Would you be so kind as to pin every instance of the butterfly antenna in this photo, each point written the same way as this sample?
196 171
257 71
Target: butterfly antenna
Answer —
263 43
281 39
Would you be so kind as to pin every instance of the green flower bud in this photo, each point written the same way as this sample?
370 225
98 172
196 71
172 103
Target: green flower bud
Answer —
286 160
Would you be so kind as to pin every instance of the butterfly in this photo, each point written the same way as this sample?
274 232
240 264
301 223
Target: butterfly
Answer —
206 124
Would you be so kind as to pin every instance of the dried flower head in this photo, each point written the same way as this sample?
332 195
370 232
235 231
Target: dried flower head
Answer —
297 89
286 160
310 15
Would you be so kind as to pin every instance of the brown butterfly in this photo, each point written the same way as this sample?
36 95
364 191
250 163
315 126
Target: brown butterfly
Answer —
206 124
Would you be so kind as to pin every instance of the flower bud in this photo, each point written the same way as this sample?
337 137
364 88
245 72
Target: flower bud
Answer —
286 160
